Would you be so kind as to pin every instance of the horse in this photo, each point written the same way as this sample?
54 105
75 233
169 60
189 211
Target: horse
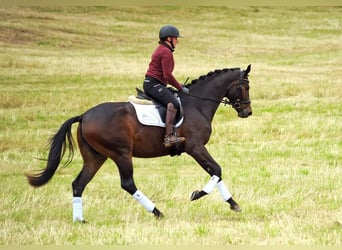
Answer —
112 130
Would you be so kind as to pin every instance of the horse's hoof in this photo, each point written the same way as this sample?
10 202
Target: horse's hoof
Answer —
235 208
81 221
194 195
157 214
197 194
233 205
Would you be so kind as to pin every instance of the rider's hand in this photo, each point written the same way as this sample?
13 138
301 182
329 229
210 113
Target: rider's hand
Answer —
185 90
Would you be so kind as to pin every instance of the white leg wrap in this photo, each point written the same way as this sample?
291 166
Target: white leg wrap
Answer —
77 213
226 195
211 184
143 200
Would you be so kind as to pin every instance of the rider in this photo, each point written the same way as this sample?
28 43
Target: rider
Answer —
159 74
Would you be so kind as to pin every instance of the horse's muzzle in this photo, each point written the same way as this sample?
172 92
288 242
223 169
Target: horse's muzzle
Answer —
244 113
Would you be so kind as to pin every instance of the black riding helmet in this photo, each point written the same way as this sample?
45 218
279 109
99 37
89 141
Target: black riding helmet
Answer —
168 30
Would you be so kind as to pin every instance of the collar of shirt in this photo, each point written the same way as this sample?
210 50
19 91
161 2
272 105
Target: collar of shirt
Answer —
167 46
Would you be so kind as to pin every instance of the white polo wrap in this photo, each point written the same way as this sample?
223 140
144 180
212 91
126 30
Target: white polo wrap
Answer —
211 184
226 195
77 212
143 200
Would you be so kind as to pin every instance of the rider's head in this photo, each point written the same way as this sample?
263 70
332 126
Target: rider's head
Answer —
170 34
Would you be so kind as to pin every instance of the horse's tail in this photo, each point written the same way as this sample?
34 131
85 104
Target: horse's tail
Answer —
58 145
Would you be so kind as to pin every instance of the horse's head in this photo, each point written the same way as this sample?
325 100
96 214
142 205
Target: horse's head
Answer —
238 94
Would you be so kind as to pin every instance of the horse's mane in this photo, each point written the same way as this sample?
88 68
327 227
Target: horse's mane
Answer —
210 74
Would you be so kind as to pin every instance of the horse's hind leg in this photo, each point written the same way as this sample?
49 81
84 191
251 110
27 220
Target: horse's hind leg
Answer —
92 161
127 183
78 185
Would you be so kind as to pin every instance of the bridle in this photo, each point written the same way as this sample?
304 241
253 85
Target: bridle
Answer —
235 104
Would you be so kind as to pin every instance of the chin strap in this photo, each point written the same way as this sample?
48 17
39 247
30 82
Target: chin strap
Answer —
173 46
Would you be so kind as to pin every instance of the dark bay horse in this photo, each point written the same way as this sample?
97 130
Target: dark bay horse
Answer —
111 130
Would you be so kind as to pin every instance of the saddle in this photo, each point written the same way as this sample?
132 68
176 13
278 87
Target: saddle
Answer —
150 112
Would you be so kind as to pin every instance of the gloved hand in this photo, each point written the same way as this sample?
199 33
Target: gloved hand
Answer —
185 90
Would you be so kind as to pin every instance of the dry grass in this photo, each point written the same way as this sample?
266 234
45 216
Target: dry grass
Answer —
283 164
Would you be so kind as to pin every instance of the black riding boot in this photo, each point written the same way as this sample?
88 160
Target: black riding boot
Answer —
171 138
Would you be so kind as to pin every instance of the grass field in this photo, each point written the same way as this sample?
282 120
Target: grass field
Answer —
283 164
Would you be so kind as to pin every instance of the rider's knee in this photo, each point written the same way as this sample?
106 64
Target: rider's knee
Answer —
173 105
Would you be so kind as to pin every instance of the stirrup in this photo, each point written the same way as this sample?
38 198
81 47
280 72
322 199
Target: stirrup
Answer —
172 140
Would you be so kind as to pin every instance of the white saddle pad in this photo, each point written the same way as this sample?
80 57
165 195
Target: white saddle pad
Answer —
149 115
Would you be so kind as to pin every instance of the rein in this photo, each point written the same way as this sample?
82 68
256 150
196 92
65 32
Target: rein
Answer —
225 101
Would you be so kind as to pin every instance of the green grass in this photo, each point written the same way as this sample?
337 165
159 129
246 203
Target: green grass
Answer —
283 164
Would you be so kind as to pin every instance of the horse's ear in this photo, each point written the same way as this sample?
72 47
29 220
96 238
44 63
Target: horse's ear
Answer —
247 70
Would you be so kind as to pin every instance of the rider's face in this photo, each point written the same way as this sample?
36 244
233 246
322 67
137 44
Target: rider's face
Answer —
173 40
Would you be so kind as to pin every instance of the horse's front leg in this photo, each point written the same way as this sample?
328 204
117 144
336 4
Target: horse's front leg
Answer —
201 155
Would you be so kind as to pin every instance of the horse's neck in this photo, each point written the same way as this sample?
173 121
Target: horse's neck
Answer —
211 93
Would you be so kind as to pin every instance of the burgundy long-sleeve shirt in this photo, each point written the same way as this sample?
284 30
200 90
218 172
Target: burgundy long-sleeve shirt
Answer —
161 66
